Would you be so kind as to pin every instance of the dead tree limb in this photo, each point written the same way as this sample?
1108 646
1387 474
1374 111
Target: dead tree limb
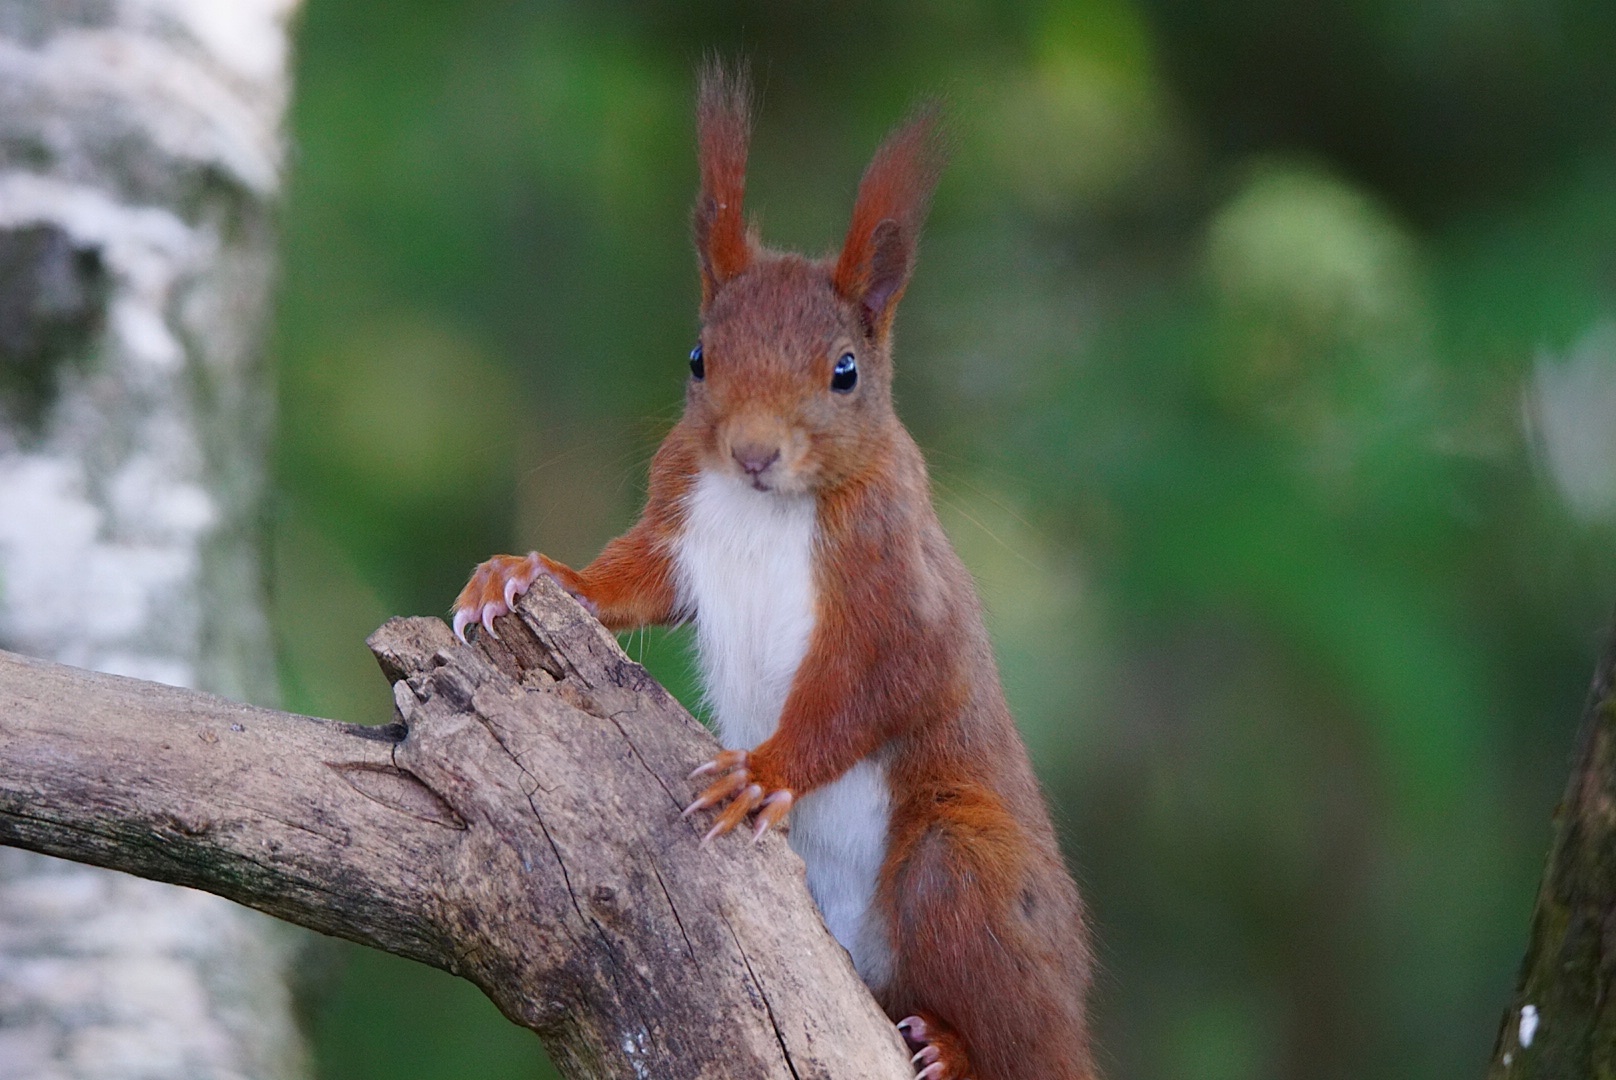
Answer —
1562 1020
517 825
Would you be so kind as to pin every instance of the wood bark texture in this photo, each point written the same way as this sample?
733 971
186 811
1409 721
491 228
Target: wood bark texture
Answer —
1562 1020
140 164
519 825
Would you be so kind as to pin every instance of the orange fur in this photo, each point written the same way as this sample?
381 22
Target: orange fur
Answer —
724 132
987 931
894 195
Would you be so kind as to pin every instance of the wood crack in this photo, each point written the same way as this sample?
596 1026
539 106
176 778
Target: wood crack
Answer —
672 798
763 995
595 971
673 909
562 863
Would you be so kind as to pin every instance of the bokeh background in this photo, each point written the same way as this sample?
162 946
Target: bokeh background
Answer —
1262 352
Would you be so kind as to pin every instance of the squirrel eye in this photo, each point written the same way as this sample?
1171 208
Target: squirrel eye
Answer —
845 375
697 369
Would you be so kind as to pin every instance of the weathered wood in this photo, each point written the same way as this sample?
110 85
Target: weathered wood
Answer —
518 825
1562 1020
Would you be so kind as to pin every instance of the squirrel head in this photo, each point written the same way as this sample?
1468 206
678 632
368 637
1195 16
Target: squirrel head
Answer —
791 381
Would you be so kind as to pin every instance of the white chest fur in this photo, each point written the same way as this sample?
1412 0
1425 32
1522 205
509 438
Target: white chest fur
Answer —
745 570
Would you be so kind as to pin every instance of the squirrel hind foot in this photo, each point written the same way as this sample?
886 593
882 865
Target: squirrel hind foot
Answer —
940 1054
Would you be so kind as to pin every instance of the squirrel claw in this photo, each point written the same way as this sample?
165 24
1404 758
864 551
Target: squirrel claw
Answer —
717 792
771 811
941 1055
493 589
736 784
745 801
724 762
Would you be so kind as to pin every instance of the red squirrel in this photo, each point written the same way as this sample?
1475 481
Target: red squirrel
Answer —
839 637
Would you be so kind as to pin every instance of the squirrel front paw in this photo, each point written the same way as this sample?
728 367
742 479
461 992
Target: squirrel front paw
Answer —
495 585
941 1055
746 793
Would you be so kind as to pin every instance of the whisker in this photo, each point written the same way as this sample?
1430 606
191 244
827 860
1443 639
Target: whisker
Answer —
987 494
934 453
956 506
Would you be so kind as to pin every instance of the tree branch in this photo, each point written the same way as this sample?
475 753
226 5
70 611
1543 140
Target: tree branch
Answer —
518 825
1562 1020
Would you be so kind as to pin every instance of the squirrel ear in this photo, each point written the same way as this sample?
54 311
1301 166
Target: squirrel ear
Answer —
893 198
723 132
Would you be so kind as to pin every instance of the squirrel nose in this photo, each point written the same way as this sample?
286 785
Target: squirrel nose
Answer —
754 458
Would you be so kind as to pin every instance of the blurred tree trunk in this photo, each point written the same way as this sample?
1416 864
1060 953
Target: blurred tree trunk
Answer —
140 155
1562 1020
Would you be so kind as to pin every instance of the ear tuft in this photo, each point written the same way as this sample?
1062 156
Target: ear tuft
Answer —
879 253
723 134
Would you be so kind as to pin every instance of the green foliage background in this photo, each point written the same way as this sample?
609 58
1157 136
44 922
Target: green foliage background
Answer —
1222 348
